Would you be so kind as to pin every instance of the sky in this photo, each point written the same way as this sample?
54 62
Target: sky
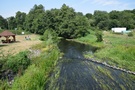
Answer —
10 7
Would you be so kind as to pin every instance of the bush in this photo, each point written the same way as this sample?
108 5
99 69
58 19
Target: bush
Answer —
19 32
130 34
18 62
99 36
49 35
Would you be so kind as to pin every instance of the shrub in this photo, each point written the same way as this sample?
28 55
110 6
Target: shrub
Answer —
49 34
99 36
130 34
18 62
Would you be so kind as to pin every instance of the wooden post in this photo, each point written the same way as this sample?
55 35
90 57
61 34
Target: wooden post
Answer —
14 38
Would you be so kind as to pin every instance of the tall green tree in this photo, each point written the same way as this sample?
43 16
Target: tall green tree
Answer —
64 21
20 19
35 20
89 15
114 14
11 23
126 20
3 23
101 19
73 24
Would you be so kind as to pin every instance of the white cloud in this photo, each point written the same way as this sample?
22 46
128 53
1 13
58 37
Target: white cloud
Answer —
106 2
114 4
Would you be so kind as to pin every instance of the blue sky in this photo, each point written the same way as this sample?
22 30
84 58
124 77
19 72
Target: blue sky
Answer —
10 7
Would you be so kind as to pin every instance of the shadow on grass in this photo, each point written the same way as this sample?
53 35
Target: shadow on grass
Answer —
6 44
2 45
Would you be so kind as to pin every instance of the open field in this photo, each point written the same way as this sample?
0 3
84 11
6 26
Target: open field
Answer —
21 44
116 49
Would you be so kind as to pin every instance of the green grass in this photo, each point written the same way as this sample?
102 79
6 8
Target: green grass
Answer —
116 49
34 77
90 39
37 73
119 51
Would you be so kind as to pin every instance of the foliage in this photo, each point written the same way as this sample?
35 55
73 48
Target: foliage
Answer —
36 75
20 19
89 15
19 32
99 36
116 49
90 39
18 62
34 21
130 34
11 23
3 23
101 19
66 22
3 85
49 34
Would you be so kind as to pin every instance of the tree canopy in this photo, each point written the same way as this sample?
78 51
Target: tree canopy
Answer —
3 23
66 22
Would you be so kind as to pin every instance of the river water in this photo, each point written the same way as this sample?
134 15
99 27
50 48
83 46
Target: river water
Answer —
74 72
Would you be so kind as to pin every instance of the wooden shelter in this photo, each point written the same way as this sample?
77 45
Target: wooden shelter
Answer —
7 34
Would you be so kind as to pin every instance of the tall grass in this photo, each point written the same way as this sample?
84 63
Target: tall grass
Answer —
17 62
116 49
36 75
90 39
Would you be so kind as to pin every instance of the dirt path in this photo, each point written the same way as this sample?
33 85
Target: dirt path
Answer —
21 44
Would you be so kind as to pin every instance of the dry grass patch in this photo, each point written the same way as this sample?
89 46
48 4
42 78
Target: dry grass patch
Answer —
21 44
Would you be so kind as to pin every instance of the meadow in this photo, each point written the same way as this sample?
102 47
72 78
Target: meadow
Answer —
115 49
21 44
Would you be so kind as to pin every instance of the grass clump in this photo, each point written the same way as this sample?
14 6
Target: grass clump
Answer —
130 34
18 62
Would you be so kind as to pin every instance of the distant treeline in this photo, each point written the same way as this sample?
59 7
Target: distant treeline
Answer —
66 22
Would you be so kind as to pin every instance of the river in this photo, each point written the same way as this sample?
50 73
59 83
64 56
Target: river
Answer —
74 72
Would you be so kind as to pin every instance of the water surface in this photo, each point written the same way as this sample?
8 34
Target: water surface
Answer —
74 72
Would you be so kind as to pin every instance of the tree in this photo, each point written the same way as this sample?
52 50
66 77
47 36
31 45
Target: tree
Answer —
114 15
52 19
20 19
126 20
101 19
73 24
99 36
89 15
35 20
3 23
122 19
103 24
11 22
64 21
114 23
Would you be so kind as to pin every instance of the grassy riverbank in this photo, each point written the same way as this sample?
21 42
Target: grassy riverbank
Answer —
116 49
35 75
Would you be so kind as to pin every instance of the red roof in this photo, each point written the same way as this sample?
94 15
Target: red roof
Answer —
7 33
